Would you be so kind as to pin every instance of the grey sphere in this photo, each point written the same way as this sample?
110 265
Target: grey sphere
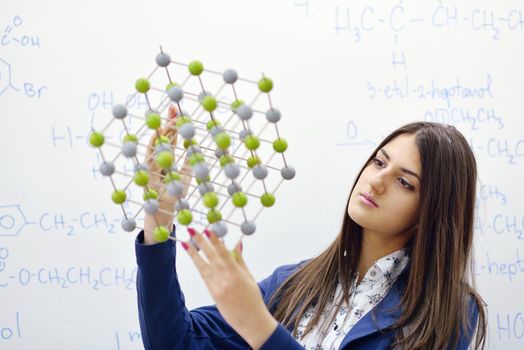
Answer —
233 188
203 94
138 167
151 206
107 168
175 188
151 111
119 111
244 133
201 171
129 149
205 187
161 147
181 204
219 228
219 152
288 172
187 131
260 172
232 171
248 227
175 93
244 112
216 130
230 76
163 59
129 224
174 168
273 115
192 150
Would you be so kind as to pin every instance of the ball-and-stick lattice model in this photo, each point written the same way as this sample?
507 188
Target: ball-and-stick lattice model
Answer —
230 138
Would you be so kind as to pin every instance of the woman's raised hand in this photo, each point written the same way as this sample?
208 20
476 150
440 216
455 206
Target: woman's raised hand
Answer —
230 283
165 214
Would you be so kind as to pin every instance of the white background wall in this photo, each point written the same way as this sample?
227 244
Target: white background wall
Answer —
341 71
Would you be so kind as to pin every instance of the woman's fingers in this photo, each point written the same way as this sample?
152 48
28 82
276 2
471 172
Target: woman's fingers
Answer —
215 251
172 112
238 255
202 266
239 258
205 246
169 131
221 249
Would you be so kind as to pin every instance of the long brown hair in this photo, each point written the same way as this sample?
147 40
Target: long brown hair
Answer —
439 280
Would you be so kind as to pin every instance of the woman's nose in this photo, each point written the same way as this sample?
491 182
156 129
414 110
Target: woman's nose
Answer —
377 183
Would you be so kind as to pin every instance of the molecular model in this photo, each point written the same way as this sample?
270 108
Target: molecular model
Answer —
224 135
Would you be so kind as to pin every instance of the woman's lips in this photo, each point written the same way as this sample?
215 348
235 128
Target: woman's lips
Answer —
368 201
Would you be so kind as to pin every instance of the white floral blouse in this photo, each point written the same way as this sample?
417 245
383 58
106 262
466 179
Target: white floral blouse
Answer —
363 297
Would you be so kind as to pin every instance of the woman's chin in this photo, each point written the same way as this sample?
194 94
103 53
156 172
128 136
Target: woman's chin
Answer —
358 216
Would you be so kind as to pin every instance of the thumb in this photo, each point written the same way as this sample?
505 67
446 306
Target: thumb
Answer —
237 255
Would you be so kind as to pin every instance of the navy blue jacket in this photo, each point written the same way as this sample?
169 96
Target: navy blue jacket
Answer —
167 324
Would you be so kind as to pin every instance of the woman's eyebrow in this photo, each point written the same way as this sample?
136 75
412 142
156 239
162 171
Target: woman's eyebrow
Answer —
407 171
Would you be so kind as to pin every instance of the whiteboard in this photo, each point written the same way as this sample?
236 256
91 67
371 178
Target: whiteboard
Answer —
346 74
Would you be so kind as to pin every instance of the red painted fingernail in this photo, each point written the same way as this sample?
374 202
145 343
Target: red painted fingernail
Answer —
185 245
191 231
241 246
172 112
208 234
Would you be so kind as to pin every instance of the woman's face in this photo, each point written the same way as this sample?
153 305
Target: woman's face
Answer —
392 182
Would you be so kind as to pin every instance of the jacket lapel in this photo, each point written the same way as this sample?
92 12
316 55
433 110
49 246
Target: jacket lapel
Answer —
384 317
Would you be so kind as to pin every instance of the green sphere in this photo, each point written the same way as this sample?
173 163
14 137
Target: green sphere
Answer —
252 142
185 217
141 178
236 104
280 145
211 124
96 139
252 161
196 67
267 199
142 85
210 199
182 120
153 120
207 179
161 233
209 103
164 159
188 143
119 196
151 194
265 84
172 176
213 216
226 159
239 199
130 138
196 158
223 140
161 139
170 85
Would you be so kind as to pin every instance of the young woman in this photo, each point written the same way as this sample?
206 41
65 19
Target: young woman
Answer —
398 275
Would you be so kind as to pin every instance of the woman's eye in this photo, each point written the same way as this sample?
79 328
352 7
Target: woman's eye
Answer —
405 184
378 162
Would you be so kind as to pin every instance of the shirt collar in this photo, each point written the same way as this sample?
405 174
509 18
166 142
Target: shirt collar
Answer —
394 262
